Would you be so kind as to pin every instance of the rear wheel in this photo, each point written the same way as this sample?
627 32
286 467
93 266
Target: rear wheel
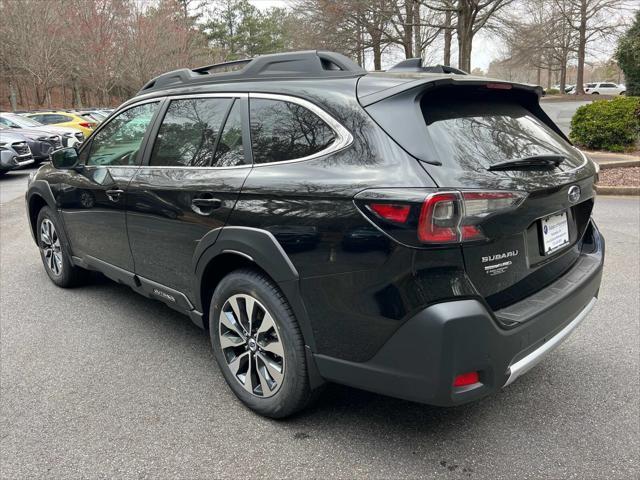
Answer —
258 345
52 251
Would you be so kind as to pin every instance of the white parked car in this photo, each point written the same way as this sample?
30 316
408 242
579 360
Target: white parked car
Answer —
604 88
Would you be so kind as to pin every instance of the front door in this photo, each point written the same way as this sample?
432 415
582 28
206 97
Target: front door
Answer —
187 186
92 200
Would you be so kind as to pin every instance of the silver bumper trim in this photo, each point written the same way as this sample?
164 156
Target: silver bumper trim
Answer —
525 364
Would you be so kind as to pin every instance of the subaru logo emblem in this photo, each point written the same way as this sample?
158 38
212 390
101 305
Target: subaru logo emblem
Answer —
574 194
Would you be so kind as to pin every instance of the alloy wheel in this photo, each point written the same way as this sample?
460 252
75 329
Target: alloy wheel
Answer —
51 248
252 345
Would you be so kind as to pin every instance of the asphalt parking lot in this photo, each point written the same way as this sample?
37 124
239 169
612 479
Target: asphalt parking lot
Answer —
562 112
98 382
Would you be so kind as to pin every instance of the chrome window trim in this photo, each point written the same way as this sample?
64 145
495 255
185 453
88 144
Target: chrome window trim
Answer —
343 136
124 109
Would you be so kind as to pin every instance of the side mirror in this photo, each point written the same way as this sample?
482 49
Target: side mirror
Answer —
65 159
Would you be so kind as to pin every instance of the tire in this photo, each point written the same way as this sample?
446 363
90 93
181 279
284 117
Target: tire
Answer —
595 93
283 388
54 252
3 173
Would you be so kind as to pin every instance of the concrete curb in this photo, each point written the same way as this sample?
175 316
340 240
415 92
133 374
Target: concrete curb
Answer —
607 190
623 164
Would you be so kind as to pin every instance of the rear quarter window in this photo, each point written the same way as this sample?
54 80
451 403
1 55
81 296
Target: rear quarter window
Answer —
283 131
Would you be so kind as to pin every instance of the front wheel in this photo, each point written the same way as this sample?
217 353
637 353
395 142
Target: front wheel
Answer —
52 251
258 345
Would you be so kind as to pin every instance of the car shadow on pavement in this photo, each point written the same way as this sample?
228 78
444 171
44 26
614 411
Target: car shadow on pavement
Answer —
350 405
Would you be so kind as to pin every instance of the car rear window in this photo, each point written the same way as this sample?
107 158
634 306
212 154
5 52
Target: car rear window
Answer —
473 134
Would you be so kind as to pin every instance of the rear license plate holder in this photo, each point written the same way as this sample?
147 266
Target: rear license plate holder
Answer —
555 232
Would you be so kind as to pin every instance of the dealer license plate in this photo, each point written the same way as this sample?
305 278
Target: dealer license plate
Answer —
555 232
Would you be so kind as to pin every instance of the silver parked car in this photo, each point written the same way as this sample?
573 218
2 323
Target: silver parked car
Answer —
14 151
69 136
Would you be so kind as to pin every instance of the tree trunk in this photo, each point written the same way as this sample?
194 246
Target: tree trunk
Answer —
582 43
549 78
563 76
407 31
77 100
417 34
464 52
377 51
448 33
464 32
13 100
539 76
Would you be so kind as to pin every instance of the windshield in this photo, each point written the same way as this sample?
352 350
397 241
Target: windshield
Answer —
470 134
23 121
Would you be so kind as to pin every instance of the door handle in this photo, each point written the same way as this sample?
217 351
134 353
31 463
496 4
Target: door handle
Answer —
204 206
114 195
211 203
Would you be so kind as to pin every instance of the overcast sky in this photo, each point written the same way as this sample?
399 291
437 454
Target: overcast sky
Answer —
486 47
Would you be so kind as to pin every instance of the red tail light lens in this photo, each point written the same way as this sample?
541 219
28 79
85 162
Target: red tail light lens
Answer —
451 217
439 218
466 379
85 124
392 212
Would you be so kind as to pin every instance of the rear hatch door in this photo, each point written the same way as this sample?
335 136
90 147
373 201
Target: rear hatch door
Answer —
475 135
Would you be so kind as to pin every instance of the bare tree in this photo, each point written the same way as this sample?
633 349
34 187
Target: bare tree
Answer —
29 55
590 19
537 36
471 17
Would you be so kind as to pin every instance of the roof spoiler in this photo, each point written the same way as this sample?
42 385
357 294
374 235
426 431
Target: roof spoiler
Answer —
415 65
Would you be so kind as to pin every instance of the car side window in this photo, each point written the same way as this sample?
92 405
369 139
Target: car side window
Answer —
46 119
230 151
283 130
189 131
118 142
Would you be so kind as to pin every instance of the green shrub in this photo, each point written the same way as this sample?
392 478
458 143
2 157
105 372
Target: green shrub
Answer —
628 55
552 91
612 125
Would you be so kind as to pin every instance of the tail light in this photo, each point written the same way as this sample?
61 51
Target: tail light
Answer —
391 212
440 217
452 217
86 124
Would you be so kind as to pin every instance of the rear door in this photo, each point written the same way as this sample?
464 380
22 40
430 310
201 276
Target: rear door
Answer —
464 133
187 186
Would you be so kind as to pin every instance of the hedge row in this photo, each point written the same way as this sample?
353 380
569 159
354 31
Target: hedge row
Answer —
612 125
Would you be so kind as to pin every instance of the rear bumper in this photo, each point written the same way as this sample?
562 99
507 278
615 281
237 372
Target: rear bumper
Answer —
420 361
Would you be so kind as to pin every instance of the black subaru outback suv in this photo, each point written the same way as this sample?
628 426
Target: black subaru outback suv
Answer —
419 233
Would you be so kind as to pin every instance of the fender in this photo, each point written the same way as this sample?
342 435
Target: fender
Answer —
42 189
263 249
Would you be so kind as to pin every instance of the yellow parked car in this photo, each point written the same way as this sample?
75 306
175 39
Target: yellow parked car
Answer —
64 119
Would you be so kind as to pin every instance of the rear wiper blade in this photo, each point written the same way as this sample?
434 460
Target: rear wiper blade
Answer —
534 162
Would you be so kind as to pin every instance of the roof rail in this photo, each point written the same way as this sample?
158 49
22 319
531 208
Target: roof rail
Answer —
309 63
208 68
415 65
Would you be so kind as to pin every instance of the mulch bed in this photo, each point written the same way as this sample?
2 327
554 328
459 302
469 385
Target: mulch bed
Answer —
620 177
